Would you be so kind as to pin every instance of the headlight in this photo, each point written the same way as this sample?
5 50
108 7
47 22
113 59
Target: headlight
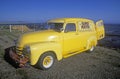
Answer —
26 50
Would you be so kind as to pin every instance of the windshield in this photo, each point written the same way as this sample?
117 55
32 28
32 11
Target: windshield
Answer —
55 26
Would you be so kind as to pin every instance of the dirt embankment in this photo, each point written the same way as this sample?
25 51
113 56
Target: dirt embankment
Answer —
101 64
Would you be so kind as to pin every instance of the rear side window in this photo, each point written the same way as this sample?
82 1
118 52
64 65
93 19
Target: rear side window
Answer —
84 26
70 27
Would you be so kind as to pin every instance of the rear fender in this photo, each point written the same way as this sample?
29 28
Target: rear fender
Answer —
38 49
92 41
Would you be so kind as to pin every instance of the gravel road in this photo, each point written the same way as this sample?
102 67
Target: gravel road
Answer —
103 63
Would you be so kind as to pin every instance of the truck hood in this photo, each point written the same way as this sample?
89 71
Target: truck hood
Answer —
37 37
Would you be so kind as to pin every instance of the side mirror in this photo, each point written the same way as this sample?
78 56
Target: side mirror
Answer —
61 29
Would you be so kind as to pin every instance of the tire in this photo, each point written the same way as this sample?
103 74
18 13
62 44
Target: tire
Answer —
46 61
91 49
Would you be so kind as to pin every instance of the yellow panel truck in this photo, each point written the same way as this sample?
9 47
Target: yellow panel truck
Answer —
64 37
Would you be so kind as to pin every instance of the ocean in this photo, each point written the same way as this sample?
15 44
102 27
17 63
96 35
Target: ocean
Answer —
112 29
112 36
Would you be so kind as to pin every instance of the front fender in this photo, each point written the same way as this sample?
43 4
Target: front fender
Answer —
39 48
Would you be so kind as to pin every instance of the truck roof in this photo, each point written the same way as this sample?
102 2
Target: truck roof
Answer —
62 20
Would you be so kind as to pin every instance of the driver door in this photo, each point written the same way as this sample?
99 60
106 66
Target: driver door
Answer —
71 39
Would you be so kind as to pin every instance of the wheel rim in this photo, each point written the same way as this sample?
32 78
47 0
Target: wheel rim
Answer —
92 48
48 61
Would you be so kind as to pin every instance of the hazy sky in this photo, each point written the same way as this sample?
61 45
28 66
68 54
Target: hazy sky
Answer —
42 10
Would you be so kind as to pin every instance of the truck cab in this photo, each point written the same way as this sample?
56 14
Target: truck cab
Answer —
65 37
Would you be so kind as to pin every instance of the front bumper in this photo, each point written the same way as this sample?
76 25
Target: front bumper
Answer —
19 59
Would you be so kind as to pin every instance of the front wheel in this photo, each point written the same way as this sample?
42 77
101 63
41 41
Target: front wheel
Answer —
46 61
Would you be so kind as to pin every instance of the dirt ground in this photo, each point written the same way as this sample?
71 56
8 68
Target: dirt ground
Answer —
103 63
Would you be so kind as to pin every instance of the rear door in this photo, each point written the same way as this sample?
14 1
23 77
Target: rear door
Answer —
100 29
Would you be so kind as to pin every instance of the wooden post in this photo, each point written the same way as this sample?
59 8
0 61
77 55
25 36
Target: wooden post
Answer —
10 28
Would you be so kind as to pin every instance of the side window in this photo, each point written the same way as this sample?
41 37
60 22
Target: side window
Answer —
84 26
70 27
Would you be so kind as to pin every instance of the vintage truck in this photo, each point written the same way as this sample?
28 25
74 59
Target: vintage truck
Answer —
65 37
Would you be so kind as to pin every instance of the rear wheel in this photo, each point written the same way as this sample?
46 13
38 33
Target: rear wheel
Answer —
91 49
46 61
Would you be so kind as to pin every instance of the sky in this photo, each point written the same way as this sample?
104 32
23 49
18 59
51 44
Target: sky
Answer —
43 10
